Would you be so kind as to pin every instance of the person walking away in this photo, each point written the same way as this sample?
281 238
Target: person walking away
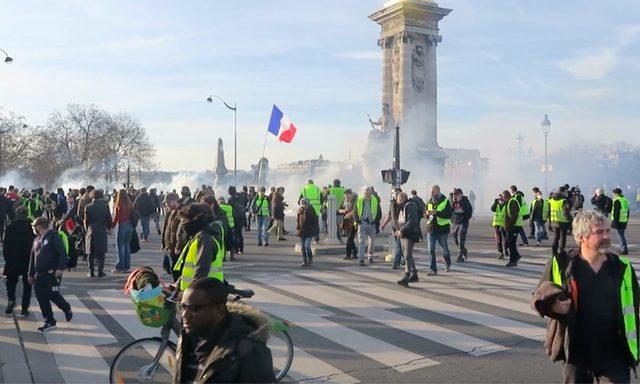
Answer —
578 200
601 202
238 202
17 251
260 208
422 206
392 217
560 219
364 215
229 240
338 191
278 205
408 231
438 215
61 204
349 225
123 211
85 199
512 227
46 266
620 218
312 193
170 233
306 228
524 213
97 220
532 224
251 195
144 205
155 199
590 296
539 216
221 342
500 236
462 213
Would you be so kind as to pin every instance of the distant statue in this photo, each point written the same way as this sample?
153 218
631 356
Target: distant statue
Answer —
395 68
417 68
385 122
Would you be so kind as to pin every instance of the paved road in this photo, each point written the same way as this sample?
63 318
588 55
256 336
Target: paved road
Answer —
353 324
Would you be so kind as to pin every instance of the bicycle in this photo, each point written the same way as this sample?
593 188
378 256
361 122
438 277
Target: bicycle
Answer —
152 359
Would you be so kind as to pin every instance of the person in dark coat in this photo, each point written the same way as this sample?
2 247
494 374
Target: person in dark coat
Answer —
16 251
46 266
146 207
409 233
602 202
221 342
97 220
306 228
5 209
462 213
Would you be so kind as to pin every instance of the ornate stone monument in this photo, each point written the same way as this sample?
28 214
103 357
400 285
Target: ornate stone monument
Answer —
409 39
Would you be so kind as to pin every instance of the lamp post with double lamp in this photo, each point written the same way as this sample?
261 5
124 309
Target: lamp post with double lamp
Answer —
546 127
7 58
235 134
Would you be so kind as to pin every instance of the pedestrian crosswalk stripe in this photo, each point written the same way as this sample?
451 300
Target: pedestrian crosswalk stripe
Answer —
305 315
439 287
379 312
472 316
315 370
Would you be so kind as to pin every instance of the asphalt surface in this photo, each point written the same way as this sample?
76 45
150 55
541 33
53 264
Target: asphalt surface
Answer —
351 324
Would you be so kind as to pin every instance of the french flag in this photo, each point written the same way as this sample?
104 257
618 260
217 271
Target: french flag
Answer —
280 126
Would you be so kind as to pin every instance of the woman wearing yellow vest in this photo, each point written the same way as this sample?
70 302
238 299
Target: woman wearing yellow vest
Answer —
202 256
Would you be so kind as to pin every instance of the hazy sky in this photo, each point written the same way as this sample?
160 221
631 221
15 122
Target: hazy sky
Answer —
502 65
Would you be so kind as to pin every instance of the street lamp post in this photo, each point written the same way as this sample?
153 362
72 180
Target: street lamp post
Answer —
235 134
546 127
7 58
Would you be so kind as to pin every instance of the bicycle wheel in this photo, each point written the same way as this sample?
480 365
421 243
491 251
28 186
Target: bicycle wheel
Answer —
281 348
144 361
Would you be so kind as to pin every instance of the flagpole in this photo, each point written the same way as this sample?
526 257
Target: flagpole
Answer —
260 162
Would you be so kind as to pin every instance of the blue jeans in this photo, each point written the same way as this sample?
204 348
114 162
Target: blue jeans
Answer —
144 221
442 239
622 239
263 235
397 252
541 232
123 240
305 248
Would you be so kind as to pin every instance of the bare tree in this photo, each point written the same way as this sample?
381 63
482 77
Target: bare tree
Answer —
14 141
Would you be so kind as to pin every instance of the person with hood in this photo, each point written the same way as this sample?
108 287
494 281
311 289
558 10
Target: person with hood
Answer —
591 298
560 219
97 220
221 342
512 227
17 251
145 206
438 215
462 213
601 202
46 265
307 225
620 218
409 233
202 255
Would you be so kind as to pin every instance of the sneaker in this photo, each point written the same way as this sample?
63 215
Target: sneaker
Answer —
447 268
259 245
370 259
531 237
460 259
310 262
304 264
68 315
25 312
404 281
159 232
361 263
90 275
432 273
395 267
501 256
524 244
414 278
47 327
346 257
512 264
10 305
102 274
538 244
266 244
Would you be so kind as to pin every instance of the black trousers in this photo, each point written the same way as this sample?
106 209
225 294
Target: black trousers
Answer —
532 228
3 221
501 240
460 237
512 244
559 239
616 374
239 239
352 250
12 283
99 257
47 289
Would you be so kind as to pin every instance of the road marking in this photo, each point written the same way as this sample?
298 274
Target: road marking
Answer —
488 320
377 311
309 369
306 316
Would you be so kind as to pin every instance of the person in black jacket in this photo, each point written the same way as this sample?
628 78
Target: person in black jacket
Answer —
601 202
146 207
462 212
409 233
47 264
16 251
438 215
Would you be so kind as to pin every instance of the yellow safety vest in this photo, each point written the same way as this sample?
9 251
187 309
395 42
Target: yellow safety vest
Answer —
228 209
187 263
439 208
624 209
498 216
557 212
338 192
262 205
545 208
65 240
312 193
374 207
508 211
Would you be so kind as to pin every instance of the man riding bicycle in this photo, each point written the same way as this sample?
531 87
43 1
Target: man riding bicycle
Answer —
221 342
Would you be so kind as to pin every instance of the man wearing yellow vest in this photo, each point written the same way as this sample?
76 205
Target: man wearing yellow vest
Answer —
312 193
512 227
365 214
261 208
620 218
591 298
202 255
497 223
560 218
438 215
539 209
524 213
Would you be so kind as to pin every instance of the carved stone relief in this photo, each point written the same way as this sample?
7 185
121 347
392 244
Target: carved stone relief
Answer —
418 68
